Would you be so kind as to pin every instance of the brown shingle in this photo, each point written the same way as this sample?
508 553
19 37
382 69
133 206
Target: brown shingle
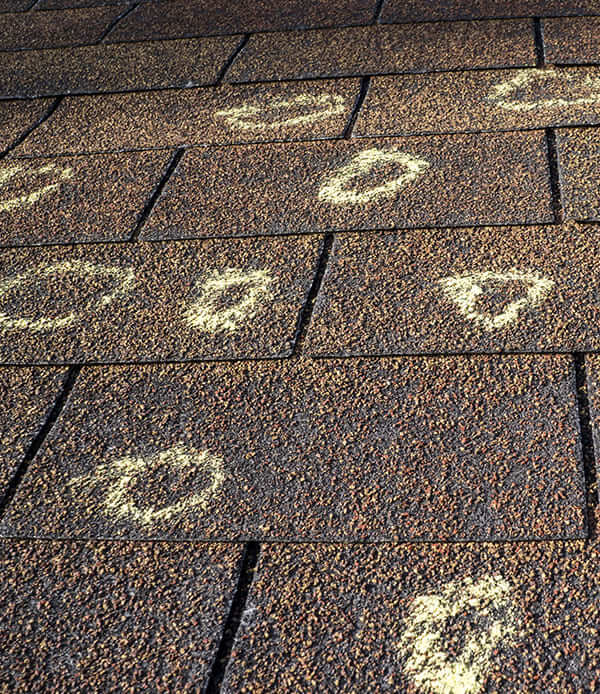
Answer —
455 448
384 48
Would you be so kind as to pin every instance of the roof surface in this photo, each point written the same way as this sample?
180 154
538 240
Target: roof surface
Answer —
299 346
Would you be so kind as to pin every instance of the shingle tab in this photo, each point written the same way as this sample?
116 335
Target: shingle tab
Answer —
330 185
16 117
96 617
172 118
160 20
119 67
428 10
579 160
414 618
456 448
54 29
385 48
76 199
150 302
572 40
15 5
28 395
527 289
65 4
473 101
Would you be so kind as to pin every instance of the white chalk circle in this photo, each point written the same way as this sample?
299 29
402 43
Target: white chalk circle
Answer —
465 291
255 117
28 199
118 478
508 95
209 311
490 620
337 190
123 278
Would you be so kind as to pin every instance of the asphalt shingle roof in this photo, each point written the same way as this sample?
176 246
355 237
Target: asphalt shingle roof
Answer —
299 346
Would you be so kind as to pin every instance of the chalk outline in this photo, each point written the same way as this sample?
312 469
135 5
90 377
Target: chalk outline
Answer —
202 313
125 276
334 192
428 662
464 290
234 117
123 471
501 91
29 199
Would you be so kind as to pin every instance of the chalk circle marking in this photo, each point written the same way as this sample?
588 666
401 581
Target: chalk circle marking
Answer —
123 277
251 117
28 199
504 94
492 620
123 473
337 191
205 314
466 290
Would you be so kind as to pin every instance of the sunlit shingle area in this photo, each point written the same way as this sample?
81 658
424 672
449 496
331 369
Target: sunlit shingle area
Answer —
299 346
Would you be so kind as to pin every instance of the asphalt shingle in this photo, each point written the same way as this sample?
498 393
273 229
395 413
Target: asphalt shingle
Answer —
118 67
15 5
457 619
285 189
579 159
64 4
384 48
572 40
54 29
150 302
160 20
473 101
76 199
16 117
172 118
460 448
28 395
426 10
460 290
104 616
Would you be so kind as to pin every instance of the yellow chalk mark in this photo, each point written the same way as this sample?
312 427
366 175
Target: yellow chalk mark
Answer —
28 199
119 477
505 94
205 312
124 279
491 620
337 192
253 117
466 290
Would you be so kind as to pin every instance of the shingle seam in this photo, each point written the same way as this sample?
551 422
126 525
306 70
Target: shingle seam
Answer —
39 439
223 237
116 21
322 356
307 310
232 58
540 49
305 140
378 11
320 78
234 618
362 95
145 213
22 137
554 166
587 441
